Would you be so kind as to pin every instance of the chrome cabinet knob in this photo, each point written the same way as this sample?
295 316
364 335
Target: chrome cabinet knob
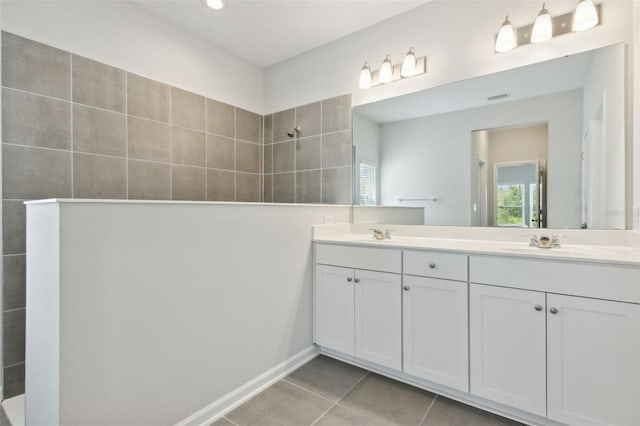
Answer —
349 279
432 265
357 280
406 288
553 310
538 308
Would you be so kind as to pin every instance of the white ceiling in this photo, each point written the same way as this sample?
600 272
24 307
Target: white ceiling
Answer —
266 32
557 75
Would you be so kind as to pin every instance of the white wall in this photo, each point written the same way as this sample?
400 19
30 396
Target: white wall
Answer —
636 115
456 36
127 36
431 157
604 91
166 307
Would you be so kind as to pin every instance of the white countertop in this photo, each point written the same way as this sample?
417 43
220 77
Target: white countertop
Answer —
623 255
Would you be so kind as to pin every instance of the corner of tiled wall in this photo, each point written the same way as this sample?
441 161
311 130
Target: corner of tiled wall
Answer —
315 166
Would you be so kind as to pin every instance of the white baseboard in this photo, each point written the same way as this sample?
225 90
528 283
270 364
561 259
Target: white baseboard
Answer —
221 406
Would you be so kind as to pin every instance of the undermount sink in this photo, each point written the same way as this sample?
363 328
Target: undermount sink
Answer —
585 250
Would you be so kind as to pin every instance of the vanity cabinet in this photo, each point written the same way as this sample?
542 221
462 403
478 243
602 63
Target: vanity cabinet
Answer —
573 359
435 320
358 311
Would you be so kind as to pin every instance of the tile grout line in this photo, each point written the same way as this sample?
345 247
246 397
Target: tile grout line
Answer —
72 147
321 144
206 158
126 129
428 410
171 151
341 398
230 421
235 154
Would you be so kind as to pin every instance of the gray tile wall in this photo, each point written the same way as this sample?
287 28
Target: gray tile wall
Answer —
314 167
73 127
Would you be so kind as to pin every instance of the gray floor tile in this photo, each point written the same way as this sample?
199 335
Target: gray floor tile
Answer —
446 412
223 422
282 404
388 401
341 416
327 377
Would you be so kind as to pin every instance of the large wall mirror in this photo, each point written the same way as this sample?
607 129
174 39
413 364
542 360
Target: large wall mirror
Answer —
537 146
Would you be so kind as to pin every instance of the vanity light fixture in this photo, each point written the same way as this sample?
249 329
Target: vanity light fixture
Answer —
388 72
506 39
215 4
365 77
409 64
542 28
586 16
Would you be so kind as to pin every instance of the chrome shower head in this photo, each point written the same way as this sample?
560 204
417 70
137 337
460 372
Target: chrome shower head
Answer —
293 132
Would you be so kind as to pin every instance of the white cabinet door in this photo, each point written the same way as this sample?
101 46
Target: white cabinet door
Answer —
507 342
594 361
378 322
436 331
334 305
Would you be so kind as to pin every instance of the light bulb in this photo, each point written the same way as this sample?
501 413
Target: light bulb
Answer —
215 4
506 39
409 64
365 77
386 70
585 16
542 28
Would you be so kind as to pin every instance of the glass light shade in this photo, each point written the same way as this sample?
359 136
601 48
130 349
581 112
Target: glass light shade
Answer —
409 64
386 70
585 16
506 39
542 28
215 4
365 77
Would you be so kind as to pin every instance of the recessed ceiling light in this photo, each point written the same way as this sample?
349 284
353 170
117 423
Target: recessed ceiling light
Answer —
215 4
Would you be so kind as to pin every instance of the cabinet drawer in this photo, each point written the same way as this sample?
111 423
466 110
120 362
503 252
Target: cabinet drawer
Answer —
434 264
374 259
613 282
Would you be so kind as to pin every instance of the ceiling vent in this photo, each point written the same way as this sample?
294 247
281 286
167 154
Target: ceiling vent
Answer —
500 96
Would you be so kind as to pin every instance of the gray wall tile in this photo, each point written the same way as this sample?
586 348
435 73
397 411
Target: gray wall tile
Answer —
33 173
98 131
147 98
284 157
267 194
268 129
268 159
283 122
247 126
336 149
284 188
336 185
247 157
148 140
14 287
97 176
98 84
308 153
221 152
336 114
35 120
221 119
188 183
308 117
221 185
13 380
308 187
187 109
149 181
187 146
14 214
35 67
13 336
247 187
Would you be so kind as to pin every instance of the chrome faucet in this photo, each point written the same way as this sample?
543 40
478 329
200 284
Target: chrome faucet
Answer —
377 233
387 234
555 241
533 240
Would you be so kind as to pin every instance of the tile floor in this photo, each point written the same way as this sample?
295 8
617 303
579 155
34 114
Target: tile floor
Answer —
327 392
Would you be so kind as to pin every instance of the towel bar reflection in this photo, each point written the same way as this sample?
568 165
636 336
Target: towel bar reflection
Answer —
418 199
